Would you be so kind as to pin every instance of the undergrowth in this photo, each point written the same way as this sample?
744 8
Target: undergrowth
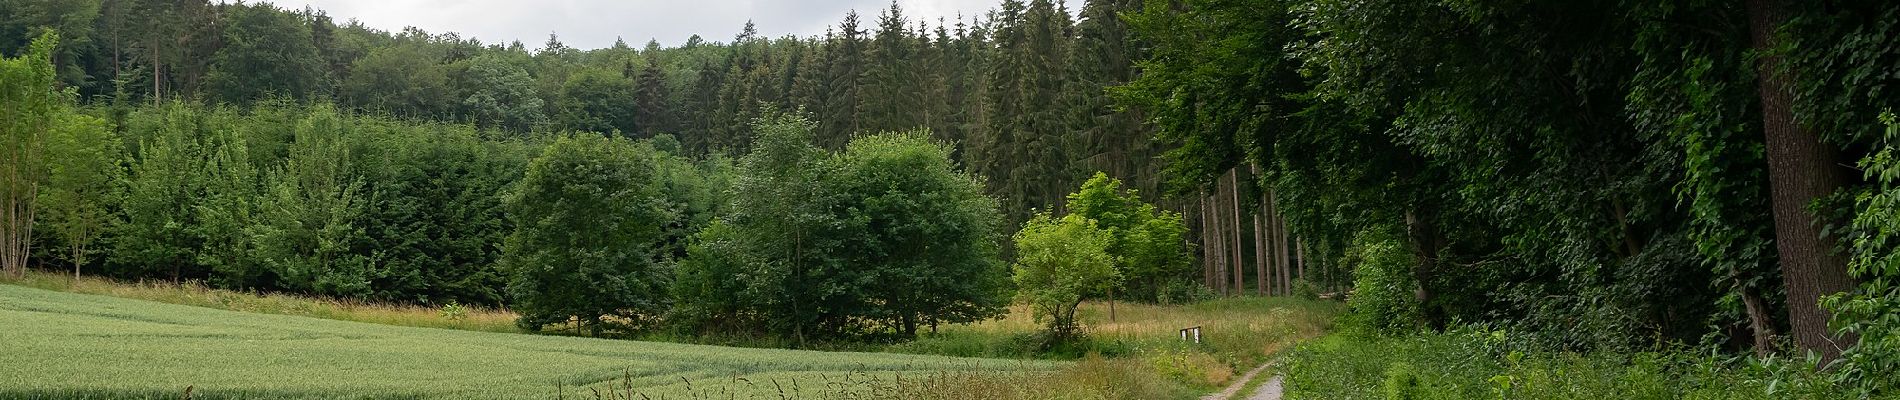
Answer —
1475 363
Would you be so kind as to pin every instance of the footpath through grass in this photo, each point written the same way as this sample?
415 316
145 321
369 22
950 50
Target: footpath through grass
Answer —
63 345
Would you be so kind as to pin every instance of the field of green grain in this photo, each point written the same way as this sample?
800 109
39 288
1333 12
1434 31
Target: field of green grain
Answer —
65 345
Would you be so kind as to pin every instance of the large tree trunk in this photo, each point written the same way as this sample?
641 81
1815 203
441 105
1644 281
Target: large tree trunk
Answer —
1801 168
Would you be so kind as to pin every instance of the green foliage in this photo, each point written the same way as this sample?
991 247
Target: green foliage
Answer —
1473 363
189 199
596 100
83 186
1149 243
1872 366
881 238
925 230
1057 262
587 217
32 110
404 80
1383 299
311 213
502 94
266 52
433 217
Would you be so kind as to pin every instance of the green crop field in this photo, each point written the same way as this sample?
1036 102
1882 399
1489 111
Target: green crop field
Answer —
64 345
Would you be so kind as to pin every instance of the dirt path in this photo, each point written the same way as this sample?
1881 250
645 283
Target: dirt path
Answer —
1267 391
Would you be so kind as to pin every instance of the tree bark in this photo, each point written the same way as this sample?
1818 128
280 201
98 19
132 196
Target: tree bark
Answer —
1801 168
1299 246
1260 239
1207 259
1260 248
1233 191
1758 323
1283 248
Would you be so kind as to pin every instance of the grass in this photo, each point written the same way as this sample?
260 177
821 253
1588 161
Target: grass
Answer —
64 345
471 318
1480 364
1237 333
1137 355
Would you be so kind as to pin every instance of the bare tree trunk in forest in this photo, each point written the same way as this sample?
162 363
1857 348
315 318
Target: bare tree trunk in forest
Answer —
1260 238
1207 245
1299 246
1282 248
1260 252
155 76
1758 322
1220 241
1422 232
1272 206
1801 168
1233 191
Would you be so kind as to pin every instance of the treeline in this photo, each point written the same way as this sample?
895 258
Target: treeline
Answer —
1606 174
1021 89
574 230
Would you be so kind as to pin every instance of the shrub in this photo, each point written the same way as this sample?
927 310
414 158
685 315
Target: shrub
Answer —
1057 261
1383 299
587 219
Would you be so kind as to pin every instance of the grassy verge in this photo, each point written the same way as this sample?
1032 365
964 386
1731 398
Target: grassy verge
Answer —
468 318
65 345
1237 334
1478 364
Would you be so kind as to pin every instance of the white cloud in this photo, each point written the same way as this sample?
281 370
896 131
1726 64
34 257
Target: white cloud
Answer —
590 24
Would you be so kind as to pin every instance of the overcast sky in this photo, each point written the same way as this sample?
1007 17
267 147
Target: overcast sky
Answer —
592 24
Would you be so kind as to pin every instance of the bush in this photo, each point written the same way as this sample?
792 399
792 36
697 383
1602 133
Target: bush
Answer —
1057 262
1873 363
1478 363
587 219
1383 299
1184 291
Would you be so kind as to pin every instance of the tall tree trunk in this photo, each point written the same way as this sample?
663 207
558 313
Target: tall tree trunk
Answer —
155 75
1299 246
1207 243
1220 241
1260 252
1260 238
1233 191
1273 239
1801 168
1282 249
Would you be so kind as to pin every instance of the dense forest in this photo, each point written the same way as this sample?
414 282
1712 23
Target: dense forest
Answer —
1602 175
